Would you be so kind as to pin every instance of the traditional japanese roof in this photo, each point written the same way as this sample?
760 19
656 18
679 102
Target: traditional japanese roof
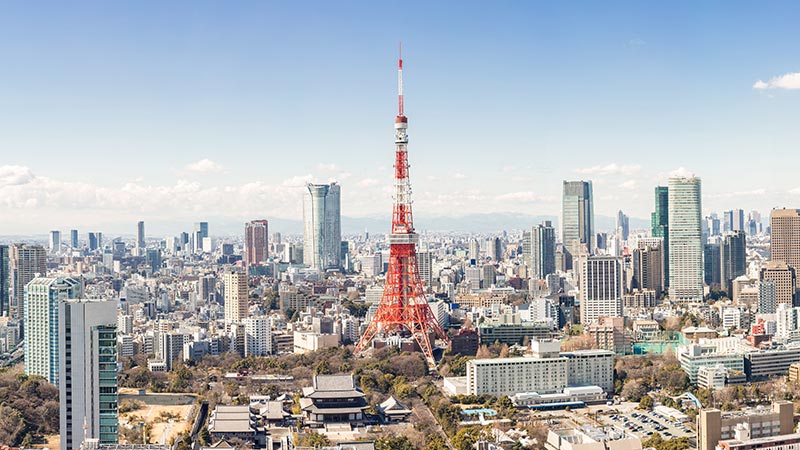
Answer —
333 386
392 406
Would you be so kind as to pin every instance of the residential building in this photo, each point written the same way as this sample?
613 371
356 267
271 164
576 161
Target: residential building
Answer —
25 262
256 242
648 266
602 286
685 241
258 336
539 250
41 323
609 333
88 372
784 277
236 295
322 226
5 277
785 237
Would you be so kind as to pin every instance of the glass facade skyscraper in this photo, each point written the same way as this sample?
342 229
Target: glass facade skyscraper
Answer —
577 219
322 234
685 240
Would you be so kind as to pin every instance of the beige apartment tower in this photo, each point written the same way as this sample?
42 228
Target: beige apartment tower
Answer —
235 296
785 237
713 425
785 279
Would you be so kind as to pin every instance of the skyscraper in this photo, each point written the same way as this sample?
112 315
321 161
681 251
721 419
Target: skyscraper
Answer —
256 242
55 241
88 372
94 242
258 336
539 250
5 278
648 265
601 288
235 296
41 325
73 239
712 264
785 238
140 234
24 262
577 223
494 248
623 226
659 223
733 259
322 232
198 236
685 240
784 278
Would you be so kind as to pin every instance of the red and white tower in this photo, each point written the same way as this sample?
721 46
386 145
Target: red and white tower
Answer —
403 308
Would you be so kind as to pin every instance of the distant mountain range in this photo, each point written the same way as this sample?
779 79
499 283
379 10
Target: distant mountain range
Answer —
477 223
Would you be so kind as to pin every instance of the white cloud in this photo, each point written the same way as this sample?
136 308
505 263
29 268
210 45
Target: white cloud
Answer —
629 184
738 194
326 167
15 175
523 196
367 182
610 169
785 81
459 176
204 166
681 172
298 180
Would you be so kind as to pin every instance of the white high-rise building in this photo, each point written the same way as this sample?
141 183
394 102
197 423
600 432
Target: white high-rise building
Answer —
602 285
88 372
424 265
41 325
258 336
685 240
322 234
235 296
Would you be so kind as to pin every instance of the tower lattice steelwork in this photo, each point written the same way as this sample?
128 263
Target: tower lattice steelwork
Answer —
403 309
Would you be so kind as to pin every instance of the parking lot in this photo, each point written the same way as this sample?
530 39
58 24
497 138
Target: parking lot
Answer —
646 423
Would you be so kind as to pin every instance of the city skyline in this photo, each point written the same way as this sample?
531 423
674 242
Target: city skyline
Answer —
625 110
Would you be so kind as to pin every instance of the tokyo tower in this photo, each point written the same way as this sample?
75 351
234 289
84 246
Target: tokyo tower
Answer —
403 309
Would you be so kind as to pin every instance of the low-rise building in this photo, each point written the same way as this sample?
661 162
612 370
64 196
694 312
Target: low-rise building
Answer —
713 425
592 438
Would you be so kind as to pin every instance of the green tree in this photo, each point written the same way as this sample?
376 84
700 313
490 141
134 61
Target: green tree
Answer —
646 402
313 439
394 443
435 442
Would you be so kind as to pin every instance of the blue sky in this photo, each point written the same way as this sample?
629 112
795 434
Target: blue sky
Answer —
176 111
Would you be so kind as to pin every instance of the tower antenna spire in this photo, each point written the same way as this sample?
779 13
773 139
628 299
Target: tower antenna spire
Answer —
400 82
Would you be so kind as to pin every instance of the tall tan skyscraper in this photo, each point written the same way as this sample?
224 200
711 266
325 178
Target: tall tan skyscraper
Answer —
256 242
24 262
235 296
785 239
